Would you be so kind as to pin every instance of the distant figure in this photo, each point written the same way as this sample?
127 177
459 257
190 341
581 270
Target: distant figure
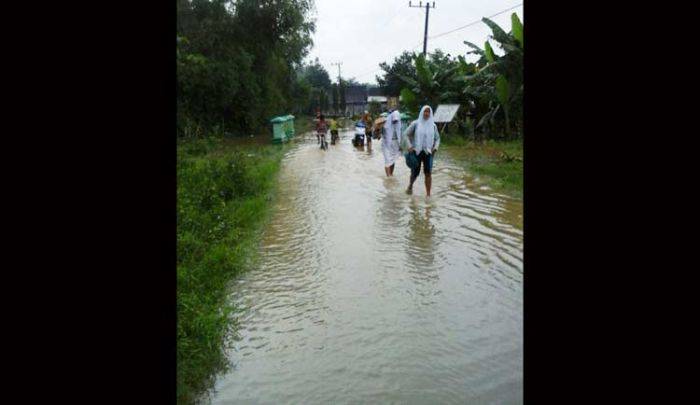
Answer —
334 131
367 119
321 129
422 140
391 138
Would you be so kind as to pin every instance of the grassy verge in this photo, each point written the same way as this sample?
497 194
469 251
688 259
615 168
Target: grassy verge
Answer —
303 123
498 163
223 195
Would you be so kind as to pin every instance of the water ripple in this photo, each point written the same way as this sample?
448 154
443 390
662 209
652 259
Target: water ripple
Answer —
366 294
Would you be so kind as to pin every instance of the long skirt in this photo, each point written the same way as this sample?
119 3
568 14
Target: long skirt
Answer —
390 150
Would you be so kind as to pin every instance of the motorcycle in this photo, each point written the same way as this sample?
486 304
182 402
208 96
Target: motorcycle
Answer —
359 138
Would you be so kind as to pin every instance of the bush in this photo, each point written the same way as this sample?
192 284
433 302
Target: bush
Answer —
222 198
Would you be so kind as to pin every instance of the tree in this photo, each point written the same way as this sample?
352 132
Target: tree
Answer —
431 85
374 108
336 98
317 75
409 102
343 105
323 99
500 78
317 78
237 62
391 82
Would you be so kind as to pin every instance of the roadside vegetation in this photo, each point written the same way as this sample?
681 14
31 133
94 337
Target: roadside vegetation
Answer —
223 197
489 90
238 65
499 164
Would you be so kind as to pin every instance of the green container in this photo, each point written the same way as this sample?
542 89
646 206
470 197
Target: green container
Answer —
289 129
282 128
279 133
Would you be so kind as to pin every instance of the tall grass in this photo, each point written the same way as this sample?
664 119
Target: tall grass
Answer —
499 163
223 195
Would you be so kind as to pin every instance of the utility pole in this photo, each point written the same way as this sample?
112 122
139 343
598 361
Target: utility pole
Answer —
338 64
427 12
341 98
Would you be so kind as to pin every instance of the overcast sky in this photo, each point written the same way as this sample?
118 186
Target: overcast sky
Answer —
363 33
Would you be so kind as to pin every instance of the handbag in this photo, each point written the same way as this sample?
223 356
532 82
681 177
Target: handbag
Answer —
412 160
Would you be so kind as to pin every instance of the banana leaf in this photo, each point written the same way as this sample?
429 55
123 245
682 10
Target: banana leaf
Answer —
490 56
502 90
517 28
498 33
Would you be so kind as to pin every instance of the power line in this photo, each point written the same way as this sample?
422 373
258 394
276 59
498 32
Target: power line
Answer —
446 33
394 17
375 70
473 23
398 14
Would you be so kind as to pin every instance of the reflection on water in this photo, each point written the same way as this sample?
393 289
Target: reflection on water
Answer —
420 244
366 294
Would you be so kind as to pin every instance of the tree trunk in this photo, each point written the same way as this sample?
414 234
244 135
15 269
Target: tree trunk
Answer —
507 131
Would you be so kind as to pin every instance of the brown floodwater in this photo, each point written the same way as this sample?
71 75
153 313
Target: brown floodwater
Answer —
364 294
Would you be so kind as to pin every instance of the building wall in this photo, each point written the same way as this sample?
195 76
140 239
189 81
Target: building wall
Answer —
355 108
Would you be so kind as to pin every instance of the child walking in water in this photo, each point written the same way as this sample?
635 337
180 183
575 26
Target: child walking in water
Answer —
334 131
422 139
321 129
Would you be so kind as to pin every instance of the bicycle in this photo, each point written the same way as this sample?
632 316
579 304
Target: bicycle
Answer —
324 144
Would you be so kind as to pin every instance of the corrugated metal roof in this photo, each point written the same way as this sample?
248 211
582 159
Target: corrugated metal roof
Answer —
380 99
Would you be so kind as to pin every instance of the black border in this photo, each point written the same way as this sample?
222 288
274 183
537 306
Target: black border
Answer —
100 86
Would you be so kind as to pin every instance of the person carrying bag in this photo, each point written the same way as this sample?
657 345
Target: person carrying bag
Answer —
421 140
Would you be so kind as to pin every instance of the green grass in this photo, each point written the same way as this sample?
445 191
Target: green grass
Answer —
498 163
303 123
223 197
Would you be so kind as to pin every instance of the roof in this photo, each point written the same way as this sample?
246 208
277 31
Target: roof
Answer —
374 91
380 99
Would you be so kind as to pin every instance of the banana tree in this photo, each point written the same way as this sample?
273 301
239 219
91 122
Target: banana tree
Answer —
498 78
431 85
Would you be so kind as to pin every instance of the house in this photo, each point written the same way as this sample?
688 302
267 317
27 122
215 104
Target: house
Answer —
375 94
355 100
379 99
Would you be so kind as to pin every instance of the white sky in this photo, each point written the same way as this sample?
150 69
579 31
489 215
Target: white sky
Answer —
363 33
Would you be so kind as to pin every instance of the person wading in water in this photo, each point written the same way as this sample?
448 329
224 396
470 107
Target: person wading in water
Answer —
391 138
367 119
321 129
422 139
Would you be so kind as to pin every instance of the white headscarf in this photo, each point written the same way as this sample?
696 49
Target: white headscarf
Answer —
425 131
390 126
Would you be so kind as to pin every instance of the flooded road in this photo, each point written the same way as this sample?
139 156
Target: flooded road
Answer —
367 295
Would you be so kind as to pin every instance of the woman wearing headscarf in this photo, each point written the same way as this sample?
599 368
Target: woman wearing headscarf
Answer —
422 139
391 139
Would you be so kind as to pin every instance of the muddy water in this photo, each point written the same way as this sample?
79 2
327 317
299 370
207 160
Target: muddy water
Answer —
367 295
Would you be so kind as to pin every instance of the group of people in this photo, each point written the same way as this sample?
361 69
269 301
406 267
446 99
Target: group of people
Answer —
322 127
418 142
